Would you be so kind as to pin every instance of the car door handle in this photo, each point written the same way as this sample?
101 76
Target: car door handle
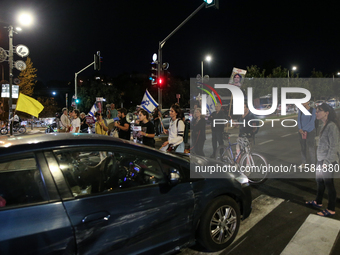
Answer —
98 216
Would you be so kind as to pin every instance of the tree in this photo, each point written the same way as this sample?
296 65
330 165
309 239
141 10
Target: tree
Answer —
50 107
27 78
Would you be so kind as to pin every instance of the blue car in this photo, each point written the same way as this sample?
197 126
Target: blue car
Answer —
91 194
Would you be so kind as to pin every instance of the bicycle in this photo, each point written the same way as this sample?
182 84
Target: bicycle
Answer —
16 128
249 163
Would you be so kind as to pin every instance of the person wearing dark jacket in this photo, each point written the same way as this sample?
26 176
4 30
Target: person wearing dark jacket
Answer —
217 130
198 133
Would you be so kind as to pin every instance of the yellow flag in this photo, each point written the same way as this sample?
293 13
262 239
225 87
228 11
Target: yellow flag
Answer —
29 105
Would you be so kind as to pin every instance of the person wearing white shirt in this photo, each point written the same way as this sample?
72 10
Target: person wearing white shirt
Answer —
176 131
75 124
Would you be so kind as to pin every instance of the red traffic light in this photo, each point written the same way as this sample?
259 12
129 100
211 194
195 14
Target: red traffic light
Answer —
160 81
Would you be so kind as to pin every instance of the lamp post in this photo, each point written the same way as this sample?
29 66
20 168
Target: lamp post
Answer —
24 19
10 62
293 69
207 58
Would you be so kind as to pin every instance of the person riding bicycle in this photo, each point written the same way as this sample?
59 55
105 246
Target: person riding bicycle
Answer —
15 119
246 128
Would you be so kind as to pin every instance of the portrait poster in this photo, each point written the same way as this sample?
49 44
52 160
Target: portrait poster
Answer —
237 77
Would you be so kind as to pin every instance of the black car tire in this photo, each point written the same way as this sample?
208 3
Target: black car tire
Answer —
213 221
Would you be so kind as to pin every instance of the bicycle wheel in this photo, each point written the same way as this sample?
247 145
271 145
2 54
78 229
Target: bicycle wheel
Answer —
4 131
22 130
223 154
254 167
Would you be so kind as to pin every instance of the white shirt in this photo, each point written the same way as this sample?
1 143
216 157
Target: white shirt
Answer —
75 123
16 118
176 134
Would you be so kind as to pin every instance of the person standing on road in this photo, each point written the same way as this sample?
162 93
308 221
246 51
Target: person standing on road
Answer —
156 120
307 133
100 127
112 113
217 130
75 124
123 126
198 132
328 158
176 131
148 129
64 122
83 125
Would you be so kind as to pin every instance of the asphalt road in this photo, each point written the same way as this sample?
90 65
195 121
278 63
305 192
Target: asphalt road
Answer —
280 223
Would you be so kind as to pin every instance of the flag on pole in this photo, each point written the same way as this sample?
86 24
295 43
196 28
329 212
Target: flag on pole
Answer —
210 104
148 103
93 110
29 105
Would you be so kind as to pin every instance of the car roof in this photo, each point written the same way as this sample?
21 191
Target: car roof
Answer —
42 141
37 142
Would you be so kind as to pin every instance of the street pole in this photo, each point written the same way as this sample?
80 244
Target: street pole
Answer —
161 44
10 62
75 82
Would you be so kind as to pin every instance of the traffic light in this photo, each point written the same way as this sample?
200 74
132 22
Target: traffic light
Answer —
210 3
160 81
97 61
154 73
77 101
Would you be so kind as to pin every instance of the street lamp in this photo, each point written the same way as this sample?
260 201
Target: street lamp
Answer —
294 68
24 19
208 59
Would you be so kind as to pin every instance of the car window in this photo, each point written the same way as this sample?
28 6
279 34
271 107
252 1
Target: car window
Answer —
21 183
93 172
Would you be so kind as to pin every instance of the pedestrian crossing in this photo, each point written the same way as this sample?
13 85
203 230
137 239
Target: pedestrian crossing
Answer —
316 235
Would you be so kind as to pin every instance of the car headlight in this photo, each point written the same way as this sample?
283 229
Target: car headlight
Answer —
242 178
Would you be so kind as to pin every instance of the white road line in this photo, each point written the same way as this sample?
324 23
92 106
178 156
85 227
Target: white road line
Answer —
316 236
286 135
262 206
266 142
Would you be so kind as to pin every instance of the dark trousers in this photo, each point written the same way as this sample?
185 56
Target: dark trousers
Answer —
325 180
217 136
157 126
198 148
308 146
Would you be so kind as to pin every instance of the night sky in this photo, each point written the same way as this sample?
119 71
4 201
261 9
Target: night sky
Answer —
66 34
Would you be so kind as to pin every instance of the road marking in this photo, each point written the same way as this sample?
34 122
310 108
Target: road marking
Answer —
286 135
316 236
266 142
261 207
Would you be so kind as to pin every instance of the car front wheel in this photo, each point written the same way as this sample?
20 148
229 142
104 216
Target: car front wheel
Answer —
219 224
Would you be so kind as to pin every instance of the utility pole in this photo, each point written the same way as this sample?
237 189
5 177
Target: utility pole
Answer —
161 44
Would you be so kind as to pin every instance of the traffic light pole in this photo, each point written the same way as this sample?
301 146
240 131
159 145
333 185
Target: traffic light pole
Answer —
76 83
161 44
10 62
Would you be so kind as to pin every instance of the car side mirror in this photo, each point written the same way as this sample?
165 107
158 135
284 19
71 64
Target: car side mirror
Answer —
174 177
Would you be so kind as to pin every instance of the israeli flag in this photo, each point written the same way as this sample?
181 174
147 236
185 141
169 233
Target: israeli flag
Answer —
210 105
148 103
93 110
